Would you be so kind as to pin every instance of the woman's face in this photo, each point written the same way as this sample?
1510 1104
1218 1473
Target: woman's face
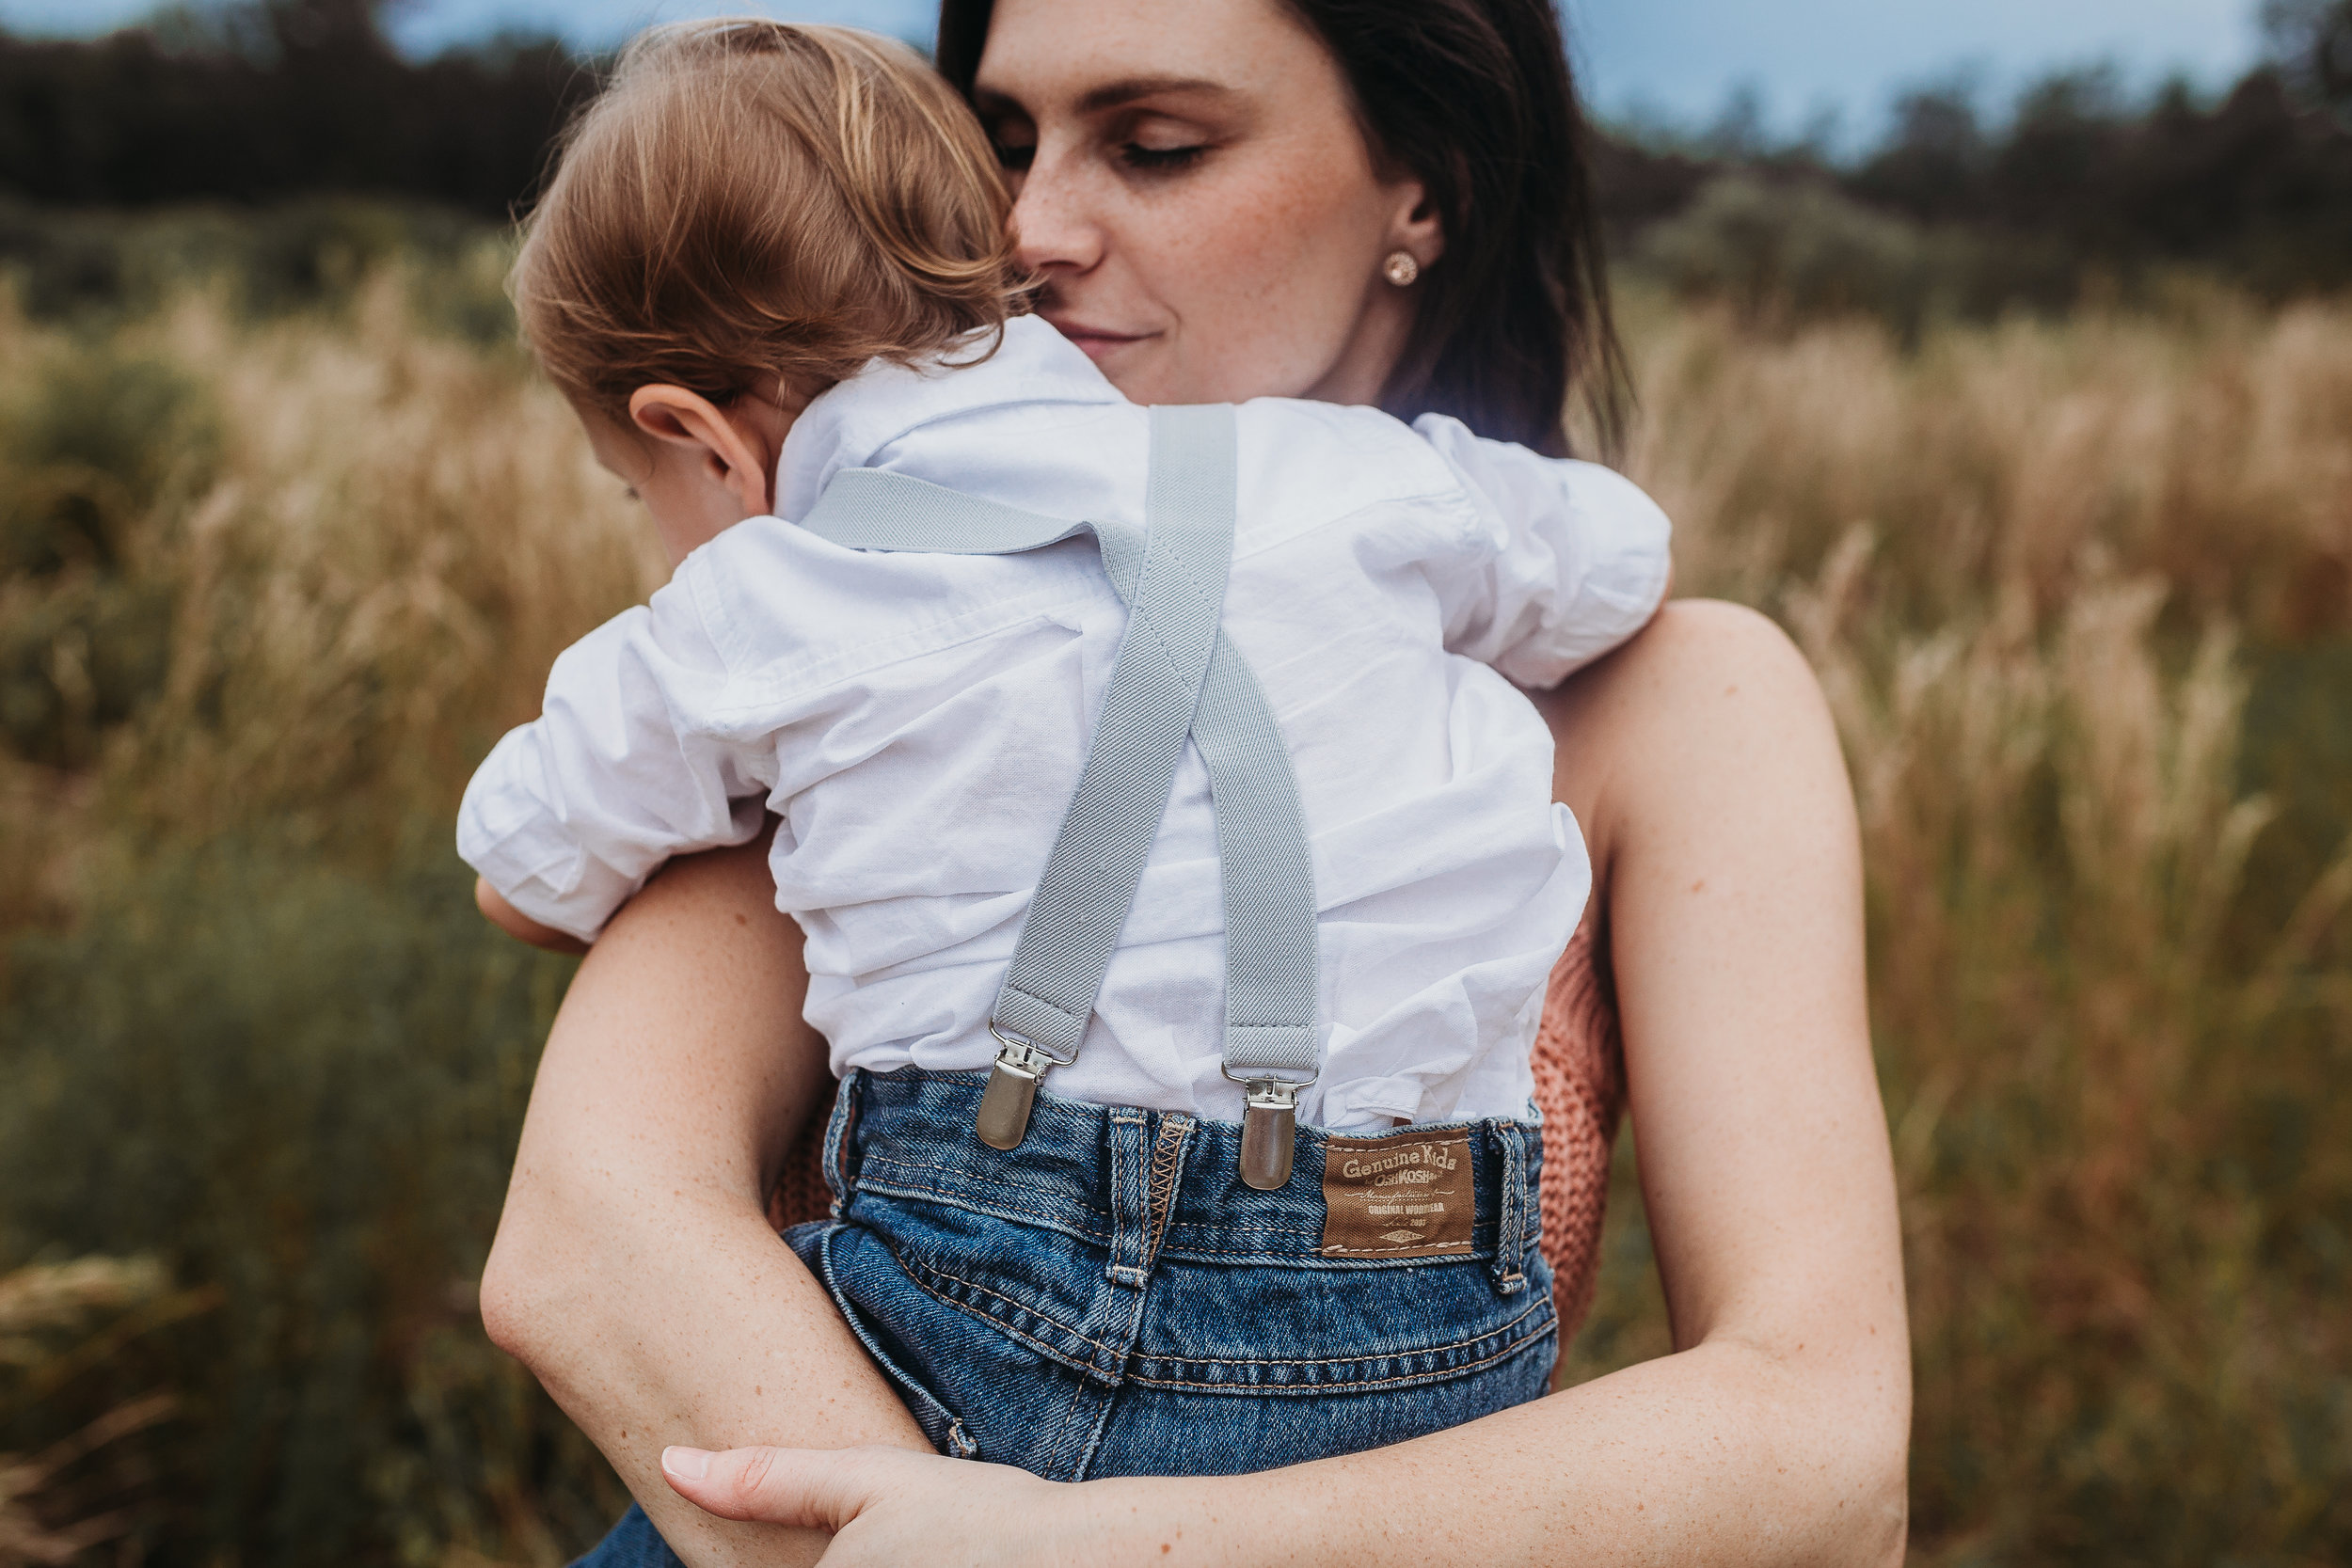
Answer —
1195 188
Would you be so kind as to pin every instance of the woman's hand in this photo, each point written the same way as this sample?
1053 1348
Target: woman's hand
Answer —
886 1506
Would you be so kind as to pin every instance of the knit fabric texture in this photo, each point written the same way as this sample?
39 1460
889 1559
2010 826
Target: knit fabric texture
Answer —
1580 1087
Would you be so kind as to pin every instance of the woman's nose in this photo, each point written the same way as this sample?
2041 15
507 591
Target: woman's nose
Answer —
1054 230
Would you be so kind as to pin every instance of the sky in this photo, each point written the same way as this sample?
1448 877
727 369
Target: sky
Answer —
1671 61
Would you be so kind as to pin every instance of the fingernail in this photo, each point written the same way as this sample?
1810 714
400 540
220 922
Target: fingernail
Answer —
687 1463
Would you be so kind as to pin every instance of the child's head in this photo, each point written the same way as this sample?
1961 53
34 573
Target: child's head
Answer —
748 212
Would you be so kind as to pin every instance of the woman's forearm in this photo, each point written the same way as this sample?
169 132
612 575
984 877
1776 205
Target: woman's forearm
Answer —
1738 1450
1727 1452
634 1270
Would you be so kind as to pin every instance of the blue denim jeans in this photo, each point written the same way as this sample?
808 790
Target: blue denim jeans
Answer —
1109 1299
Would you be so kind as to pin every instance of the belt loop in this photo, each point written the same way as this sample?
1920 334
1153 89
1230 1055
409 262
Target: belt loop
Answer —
1511 1212
1125 1132
837 1137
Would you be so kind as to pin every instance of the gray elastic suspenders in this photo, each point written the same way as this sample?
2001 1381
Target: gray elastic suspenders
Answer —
1177 675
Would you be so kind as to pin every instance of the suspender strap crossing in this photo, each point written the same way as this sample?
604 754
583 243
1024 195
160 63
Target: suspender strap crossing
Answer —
1177 675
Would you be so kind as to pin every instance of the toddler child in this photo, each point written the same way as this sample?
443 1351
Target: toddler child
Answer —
1148 781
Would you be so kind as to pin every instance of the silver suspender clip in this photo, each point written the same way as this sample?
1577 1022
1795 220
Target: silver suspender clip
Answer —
1003 1117
1269 1126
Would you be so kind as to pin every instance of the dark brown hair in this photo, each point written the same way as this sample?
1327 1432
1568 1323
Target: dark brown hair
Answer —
1476 99
748 201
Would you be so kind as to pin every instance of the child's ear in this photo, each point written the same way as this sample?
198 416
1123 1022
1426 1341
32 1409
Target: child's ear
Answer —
682 418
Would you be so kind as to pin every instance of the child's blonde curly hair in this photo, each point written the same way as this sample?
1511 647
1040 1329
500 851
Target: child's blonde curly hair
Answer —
751 200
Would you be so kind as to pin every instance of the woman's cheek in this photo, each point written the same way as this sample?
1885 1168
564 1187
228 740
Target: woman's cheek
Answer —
1269 301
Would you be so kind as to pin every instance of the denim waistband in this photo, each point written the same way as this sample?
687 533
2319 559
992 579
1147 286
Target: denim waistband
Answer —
1085 1170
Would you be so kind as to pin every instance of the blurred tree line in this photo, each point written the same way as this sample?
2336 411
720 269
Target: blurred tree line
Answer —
263 101
270 100
2081 188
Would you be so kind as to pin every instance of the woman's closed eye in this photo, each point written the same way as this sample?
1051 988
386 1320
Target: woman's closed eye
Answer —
1016 155
1160 160
1148 142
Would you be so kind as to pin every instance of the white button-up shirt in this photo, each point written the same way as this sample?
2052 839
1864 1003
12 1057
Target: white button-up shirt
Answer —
918 722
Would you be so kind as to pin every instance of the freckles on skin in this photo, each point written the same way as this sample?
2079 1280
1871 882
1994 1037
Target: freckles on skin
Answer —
1273 305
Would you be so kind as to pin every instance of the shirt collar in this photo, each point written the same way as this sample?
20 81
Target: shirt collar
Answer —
849 423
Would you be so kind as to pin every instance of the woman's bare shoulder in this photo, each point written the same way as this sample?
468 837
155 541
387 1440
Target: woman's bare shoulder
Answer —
1708 696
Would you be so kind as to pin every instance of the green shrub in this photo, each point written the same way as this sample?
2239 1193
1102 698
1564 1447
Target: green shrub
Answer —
300 1089
105 267
1793 250
89 445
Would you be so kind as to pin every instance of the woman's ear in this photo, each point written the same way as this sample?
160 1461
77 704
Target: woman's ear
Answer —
738 459
1415 226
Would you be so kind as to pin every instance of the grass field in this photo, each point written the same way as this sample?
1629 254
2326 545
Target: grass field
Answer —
271 582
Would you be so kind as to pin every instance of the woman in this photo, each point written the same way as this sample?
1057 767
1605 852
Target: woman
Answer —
1215 191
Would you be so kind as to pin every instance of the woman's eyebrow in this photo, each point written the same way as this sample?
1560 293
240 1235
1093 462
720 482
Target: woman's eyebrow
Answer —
1111 95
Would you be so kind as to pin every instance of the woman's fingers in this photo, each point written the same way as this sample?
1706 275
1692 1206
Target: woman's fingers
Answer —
811 1488
888 1507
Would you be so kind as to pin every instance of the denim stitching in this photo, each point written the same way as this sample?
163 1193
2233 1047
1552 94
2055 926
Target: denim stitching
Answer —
912 1263
1263 1256
1069 1419
1128 1181
1160 1194
1052 1352
1069 1359
971 1205
957 1173
1028 1335
1341 1361
1261 1225
1510 1241
1451 1250
1264 1390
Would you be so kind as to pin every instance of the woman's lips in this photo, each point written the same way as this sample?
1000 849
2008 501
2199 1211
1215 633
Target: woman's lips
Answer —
1097 342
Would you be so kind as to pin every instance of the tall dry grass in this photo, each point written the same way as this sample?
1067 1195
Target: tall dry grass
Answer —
379 547
85 1489
2078 594
267 589
2040 569
2205 447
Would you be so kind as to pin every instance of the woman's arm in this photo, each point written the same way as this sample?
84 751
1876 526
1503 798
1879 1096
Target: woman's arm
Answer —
634 1270
1704 764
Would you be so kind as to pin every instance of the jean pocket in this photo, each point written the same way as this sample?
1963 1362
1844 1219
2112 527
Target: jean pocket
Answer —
943 1427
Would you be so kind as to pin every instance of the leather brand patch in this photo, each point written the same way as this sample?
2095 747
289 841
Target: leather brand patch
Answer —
1398 1197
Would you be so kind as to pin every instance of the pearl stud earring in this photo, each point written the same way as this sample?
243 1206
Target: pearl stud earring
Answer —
1400 268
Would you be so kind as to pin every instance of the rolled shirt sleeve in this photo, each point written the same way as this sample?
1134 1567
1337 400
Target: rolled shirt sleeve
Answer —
1579 559
623 769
